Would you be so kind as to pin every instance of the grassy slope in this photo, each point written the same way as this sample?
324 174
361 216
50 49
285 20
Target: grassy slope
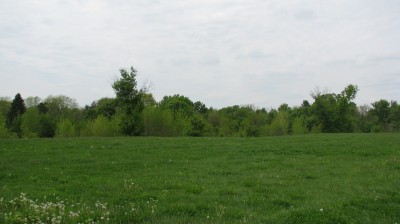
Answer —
340 178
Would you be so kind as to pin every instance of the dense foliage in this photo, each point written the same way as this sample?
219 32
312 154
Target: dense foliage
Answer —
135 112
130 102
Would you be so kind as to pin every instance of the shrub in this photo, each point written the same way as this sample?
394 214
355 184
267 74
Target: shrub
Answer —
30 123
280 124
101 127
298 127
47 127
104 127
4 133
65 128
159 122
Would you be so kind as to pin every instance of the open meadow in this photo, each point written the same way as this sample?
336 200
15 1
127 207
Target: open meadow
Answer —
324 178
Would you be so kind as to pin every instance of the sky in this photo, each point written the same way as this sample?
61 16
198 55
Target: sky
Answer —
219 52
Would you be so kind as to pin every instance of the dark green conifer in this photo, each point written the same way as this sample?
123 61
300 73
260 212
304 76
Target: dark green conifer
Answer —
14 116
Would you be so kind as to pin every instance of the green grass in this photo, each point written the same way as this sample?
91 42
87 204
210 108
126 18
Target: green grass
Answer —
329 178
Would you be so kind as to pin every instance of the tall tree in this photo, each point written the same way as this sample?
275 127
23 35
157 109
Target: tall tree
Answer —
32 101
130 101
179 105
366 120
148 100
61 107
381 109
104 106
15 114
336 112
347 109
200 107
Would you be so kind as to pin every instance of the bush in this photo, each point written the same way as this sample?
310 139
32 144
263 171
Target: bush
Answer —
316 129
159 122
65 128
47 127
30 123
4 133
129 124
199 126
104 127
87 129
280 124
298 127
101 127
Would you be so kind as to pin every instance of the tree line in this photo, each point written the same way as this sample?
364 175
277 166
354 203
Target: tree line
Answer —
135 112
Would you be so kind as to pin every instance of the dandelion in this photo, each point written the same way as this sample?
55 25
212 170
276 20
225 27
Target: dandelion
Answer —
321 209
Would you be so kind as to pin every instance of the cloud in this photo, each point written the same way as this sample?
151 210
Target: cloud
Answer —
219 52
304 15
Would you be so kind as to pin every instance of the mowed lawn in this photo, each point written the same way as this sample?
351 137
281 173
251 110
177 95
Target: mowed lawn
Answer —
326 178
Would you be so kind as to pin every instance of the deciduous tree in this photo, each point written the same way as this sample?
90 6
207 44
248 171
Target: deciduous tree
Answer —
336 112
130 100
381 109
179 105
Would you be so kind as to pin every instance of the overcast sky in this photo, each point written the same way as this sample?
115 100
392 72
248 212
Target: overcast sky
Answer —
223 53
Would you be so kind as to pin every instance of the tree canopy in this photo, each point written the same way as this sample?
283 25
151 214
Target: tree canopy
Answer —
135 111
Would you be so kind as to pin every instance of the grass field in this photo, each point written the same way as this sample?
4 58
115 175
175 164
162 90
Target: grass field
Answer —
327 178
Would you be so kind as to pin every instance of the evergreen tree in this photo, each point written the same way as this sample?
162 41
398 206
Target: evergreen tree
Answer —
15 114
